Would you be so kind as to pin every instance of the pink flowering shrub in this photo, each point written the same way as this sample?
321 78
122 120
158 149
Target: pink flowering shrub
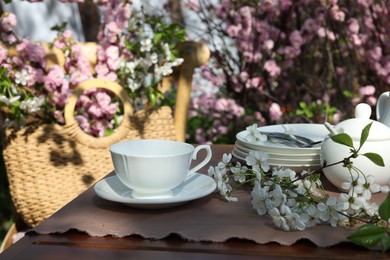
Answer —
295 61
134 49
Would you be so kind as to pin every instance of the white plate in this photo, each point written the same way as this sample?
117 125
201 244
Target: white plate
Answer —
195 187
271 159
295 167
289 161
315 155
316 132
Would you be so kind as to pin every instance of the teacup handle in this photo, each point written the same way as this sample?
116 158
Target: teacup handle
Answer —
202 163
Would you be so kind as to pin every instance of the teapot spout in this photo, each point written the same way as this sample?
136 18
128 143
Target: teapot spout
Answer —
330 128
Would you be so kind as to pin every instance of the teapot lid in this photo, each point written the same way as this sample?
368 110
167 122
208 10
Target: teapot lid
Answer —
354 126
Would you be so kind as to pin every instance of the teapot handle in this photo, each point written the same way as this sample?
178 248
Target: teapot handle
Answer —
383 108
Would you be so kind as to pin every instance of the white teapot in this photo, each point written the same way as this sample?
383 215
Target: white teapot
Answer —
378 141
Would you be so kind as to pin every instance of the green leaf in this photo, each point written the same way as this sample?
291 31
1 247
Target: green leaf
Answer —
384 208
375 158
59 28
368 235
385 243
364 135
343 139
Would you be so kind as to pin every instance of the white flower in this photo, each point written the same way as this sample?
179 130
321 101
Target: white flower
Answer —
354 183
255 136
21 77
167 51
284 173
351 201
370 187
329 212
239 172
310 216
385 189
164 70
278 196
154 58
370 208
146 45
32 105
131 65
222 181
278 219
8 101
259 197
132 84
295 222
177 62
258 161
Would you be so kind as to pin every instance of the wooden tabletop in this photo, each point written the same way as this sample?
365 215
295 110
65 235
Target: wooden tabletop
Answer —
77 245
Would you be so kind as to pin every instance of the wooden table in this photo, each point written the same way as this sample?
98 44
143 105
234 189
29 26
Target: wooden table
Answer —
77 245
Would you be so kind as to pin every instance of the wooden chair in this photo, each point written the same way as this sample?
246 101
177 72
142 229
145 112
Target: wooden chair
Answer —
195 54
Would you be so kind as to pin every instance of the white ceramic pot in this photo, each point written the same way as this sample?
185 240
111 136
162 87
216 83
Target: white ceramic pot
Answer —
378 142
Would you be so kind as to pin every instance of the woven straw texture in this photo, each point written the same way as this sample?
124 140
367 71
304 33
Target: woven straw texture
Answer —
49 165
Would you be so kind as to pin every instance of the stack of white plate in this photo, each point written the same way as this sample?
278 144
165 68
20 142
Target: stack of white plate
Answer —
283 155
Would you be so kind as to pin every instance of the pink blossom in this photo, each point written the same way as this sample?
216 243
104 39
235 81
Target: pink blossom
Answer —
8 38
272 68
193 5
63 40
244 76
223 9
337 14
112 76
59 116
285 4
101 69
3 53
256 82
365 3
371 100
55 76
222 129
375 53
368 90
221 104
83 123
353 26
33 52
248 56
95 110
310 25
112 31
356 40
233 30
8 21
341 71
296 39
275 112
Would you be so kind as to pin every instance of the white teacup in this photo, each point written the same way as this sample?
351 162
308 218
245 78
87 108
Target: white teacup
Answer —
152 168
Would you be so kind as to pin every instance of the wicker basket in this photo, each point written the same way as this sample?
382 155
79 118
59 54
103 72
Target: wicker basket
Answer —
49 165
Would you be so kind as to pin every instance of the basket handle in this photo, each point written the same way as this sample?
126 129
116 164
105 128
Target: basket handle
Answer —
82 137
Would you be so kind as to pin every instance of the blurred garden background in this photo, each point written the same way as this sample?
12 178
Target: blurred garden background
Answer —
272 61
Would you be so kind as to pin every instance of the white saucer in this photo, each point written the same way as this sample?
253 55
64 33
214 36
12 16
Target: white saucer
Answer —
195 187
